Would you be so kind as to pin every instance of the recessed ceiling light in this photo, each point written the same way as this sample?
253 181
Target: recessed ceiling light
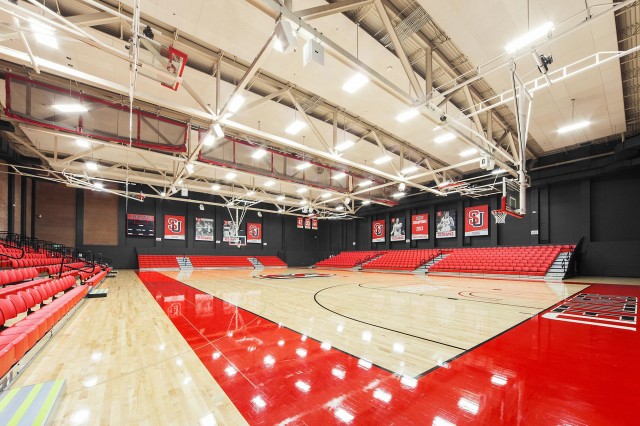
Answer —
70 108
215 187
303 166
83 143
259 153
409 169
355 83
236 102
339 175
529 38
91 165
281 198
295 127
343 146
382 160
230 176
575 126
446 137
407 115
269 183
468 152
365 182
302 190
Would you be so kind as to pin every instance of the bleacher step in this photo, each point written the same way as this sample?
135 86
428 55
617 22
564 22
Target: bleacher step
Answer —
97 292
30 405
256 263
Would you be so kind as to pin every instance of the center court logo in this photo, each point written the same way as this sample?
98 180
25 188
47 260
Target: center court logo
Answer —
174 225
476 218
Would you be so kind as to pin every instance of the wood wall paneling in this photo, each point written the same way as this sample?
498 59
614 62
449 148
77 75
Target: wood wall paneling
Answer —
100 219
55 213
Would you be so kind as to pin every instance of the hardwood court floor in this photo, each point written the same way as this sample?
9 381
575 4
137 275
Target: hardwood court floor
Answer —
225 347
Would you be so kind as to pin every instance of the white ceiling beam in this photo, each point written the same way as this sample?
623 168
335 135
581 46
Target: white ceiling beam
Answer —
93 19
34 63
399 49
83 154
310 123
330 9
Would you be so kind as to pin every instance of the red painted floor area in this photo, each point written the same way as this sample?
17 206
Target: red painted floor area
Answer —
542 372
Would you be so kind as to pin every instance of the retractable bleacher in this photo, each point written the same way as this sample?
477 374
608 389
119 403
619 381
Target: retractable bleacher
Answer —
349 259
531 261
271 261
402 260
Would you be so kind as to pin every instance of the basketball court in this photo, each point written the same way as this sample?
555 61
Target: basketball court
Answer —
349 212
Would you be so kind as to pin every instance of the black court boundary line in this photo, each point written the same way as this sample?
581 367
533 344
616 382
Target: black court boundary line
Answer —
502 332
445 297
282 325
375 325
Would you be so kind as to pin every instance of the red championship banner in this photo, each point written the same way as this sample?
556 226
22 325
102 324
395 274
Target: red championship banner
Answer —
174 227
314 223
377 231
476 221
307 223
254 233
300 224
420 227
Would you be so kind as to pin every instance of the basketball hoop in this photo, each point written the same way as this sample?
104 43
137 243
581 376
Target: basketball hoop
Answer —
500 216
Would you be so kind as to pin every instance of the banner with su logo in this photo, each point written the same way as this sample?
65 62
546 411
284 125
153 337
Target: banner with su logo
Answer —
174 227
377 231
420 227
300 223
254 233
476 221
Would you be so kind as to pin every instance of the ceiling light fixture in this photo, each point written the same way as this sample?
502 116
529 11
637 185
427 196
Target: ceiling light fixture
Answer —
295 127
364 183
235 103
343 146
44 33
217 130
407 115
366 202
498 171
528 39
402 186
302 190
190 167
91 165
83 143
69 108
409 169
355 83
269 183
468 152
446 137
285 37
326 195
339 208
382 160
303 166
259 153
251 193
215 187
573 127
98 185
303 202
339 175
399 194
347 201
443 183
230 176
281 198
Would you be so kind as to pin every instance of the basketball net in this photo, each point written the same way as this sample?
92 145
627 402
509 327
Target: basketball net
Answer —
500 216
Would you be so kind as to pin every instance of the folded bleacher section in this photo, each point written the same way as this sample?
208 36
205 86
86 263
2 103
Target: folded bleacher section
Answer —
402 260
170 262
42 282
533 261
271 261
349 259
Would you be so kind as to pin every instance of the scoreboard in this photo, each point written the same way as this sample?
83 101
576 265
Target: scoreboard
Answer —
141 225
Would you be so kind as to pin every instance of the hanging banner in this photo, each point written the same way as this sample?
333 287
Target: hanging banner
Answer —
307 223
226 231
420 227
476 221
204 229
314 224
254 233
446 224
140 225
397 229
377 231
300 223
174 227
